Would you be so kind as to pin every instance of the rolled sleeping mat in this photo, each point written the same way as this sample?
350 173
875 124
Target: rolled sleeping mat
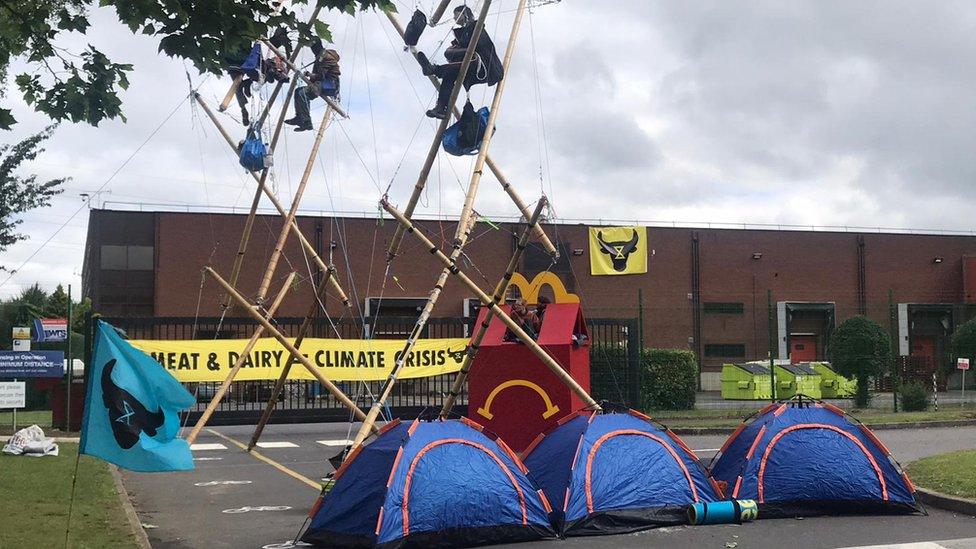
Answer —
734 511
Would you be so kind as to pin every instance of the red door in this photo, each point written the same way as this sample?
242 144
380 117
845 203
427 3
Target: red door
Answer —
803 348
924 346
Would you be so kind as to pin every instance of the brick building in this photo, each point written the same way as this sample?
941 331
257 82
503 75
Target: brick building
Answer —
719 292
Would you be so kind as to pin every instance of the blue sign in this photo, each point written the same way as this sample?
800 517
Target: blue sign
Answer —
17 364
50 329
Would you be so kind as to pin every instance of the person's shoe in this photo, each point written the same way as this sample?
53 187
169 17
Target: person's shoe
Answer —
245 119
425 65
293 121
437 113
303 128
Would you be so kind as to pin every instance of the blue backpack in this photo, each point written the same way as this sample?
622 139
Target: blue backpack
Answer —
464 136
253 152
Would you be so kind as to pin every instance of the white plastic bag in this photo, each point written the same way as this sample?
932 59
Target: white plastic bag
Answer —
31 441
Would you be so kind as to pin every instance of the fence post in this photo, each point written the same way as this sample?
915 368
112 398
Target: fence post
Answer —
893 332
772 343
634 349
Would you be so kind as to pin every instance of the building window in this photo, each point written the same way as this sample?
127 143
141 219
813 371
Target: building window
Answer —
725 350
723 308
127 258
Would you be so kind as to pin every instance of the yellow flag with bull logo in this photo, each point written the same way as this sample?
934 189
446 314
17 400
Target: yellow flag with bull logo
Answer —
618 250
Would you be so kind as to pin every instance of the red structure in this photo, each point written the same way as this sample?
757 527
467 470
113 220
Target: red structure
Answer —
512 393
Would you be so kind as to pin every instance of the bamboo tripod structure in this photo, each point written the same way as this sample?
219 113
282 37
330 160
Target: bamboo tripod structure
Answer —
506 185
280 383
255 202
496 298
536 349
464 227
436 144
222 390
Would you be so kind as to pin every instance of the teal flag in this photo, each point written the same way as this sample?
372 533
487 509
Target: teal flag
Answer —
132 407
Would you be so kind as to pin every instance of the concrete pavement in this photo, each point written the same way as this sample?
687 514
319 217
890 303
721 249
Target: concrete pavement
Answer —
234 500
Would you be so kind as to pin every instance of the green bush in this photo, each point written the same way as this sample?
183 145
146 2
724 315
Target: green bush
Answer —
914 397
669 379
860 349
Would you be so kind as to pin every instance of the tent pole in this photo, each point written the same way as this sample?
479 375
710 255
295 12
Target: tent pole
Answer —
215 401
309 248
295 353
290 218
415 334
540 233
436 144
536 349
280 383
249 224
496 298
298 72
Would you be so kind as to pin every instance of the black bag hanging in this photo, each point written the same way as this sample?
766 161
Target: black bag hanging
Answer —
469 128
415 28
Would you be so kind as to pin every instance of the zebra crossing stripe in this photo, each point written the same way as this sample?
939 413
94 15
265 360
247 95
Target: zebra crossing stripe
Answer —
207 446
344 442
277 445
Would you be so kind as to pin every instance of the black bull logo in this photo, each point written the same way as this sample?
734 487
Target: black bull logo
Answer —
618 251
126 414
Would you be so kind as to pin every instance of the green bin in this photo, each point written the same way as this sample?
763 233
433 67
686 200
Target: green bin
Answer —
793 379
745 382
832 384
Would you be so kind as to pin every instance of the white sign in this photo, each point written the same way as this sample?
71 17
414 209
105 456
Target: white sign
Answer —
13 394
962 363
22 345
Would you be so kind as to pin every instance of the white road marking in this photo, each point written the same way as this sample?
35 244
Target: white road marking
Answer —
942 544
277 445
208 446
208 459
248 509
222 482
344 442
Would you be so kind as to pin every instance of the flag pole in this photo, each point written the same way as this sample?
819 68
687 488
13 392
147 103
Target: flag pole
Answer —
71 499
295 353
496 298
245 354
533 346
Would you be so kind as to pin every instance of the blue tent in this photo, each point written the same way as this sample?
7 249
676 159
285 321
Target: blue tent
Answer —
610 473
805 457
430 484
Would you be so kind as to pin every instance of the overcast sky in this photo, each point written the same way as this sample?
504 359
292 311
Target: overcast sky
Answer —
819 113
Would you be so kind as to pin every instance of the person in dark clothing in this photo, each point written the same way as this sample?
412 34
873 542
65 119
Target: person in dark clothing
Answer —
485 67
325 83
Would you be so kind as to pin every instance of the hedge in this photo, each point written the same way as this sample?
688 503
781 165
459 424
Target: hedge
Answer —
669 379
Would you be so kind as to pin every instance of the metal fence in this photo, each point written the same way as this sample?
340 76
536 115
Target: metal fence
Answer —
615 374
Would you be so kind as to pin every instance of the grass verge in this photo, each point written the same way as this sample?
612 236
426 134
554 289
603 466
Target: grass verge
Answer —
34 495
41 418
950 474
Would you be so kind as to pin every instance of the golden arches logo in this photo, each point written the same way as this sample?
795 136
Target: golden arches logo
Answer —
530 290
551 409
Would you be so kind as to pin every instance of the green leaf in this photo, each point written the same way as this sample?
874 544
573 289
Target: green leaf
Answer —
6 119
322 31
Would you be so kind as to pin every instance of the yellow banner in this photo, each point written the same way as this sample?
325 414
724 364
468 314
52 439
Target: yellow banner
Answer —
618 250
337 359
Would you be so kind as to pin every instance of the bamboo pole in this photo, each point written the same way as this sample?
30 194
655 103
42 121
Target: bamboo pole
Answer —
436 144
290 218
533 346
222 390
415 334
230 93
309 248
496 101
540 233
298 72
496 298
439 12
295 353
280 383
